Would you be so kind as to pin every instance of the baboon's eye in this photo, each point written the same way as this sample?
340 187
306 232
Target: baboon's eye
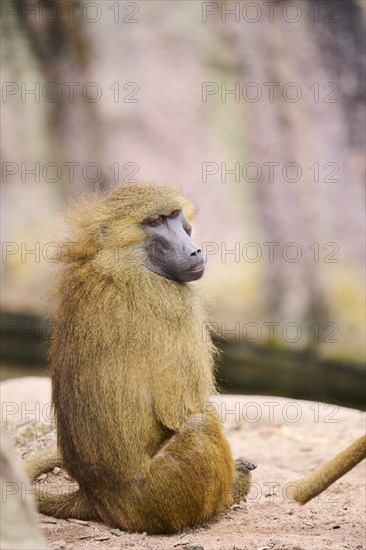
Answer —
188 228
174 214
154 222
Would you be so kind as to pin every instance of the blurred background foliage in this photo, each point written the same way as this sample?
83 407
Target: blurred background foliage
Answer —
256 109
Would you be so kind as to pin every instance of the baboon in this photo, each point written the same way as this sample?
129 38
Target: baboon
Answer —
314 484
132 371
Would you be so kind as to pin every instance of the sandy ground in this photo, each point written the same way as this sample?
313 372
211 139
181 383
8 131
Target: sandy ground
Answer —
287 439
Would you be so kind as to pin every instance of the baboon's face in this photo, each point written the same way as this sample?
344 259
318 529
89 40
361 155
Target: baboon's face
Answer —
171 251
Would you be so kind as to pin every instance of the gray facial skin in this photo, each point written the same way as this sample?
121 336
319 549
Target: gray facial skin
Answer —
171 251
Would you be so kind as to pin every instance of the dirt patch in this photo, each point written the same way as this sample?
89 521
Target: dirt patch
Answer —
287 439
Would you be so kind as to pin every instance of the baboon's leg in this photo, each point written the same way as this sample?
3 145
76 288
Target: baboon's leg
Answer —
190 479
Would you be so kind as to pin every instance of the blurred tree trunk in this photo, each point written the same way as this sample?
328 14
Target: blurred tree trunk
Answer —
47 49
165 52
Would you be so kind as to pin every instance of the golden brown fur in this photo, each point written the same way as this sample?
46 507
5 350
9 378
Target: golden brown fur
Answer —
131 375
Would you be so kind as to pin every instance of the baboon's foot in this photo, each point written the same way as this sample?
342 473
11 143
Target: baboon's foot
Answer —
244 465
241 486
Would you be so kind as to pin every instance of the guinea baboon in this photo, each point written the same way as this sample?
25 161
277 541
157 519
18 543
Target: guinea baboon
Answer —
132 372
309 487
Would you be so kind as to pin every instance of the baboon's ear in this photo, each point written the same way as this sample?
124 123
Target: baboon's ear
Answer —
103 228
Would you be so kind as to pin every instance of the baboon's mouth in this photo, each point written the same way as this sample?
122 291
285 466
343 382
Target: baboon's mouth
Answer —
197 268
